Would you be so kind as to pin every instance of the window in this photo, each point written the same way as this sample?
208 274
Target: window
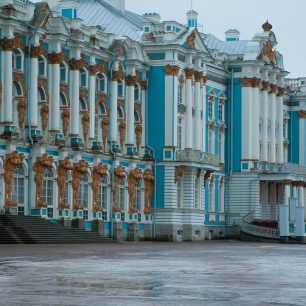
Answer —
168 28
63 72
136 93
180 133
47 195
197 193
69 13
136 117
18 186
137 201
103 192
179 186
146 29
121 193
211 142
220 112
101 84
83 194
210 109
17 59
211 198
83 77
120 88
120 112
64 102
83 105
180 94
221 198
220 147
42 67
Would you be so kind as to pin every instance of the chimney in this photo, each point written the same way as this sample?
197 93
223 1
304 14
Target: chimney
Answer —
232 35
192 19
118 4
152 16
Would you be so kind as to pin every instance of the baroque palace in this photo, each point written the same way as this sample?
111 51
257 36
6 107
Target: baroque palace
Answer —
147 127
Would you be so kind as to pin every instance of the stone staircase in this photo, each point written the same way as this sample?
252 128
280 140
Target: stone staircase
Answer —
35 230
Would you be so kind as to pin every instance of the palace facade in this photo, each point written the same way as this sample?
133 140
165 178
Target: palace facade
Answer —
146 127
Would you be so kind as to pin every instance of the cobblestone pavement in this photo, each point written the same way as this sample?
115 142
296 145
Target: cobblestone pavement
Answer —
210 273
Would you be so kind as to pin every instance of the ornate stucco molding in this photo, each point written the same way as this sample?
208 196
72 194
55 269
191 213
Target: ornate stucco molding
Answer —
98 172
64 166
148 178
171 70
79 169
133 177
119 173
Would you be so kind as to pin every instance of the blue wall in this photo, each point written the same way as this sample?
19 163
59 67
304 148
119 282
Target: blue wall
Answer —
294 137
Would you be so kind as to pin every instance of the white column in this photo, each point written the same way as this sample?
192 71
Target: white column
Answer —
143 111
256 102
247 118
33 88
75 96
264 108
301 200
287 193
197 106
92 103
280 119
272 116
113 107
204 126
188 116
55 102
7 77
130 94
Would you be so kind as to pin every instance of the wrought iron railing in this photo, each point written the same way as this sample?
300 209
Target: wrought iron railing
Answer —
197 156
289 168
248 227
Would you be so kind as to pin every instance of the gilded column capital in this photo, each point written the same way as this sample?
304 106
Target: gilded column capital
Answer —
273 89
287 182
75 64
281 92
144 84
171 70
189 73
7 44
256 82
131 80
35 51
198 76
205 79
302 114
115 75
54 58
247 82
265 86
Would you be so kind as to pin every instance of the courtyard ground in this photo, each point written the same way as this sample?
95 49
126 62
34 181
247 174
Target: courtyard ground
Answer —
208 273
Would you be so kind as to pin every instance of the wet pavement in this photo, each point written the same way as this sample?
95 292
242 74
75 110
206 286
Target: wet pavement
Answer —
209 273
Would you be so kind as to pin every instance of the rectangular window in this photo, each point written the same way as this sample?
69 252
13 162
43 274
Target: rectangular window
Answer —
179 133
85 214
147 29
168 28
180 94
67 13
220 113
210 109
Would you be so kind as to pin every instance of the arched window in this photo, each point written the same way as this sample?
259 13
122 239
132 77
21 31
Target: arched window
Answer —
47 195
100 83
83 105
17 60
121 193
137 93
120 112
41 95
17 90
19 188
137 201
64 102
83 77
100 111
136 117
17 93
42 67
83 194
179 188
103 192
120 89
63 72
197 192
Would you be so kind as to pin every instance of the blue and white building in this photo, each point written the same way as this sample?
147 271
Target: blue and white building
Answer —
149 126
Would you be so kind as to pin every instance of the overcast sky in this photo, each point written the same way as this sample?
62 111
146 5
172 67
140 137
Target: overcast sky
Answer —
288 18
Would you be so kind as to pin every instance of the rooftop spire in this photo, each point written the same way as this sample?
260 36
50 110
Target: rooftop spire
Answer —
267 27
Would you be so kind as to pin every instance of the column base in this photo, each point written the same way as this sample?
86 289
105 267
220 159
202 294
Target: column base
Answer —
284 239
116 148
41 212
35 134
148 155
301 239
96 145
9 210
